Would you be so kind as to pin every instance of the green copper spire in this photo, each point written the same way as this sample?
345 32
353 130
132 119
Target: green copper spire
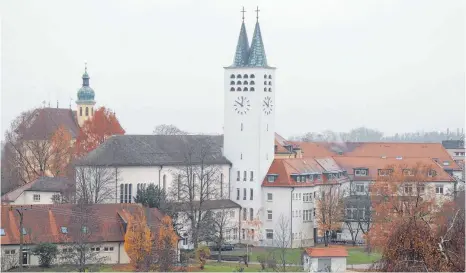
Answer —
257 56
242 48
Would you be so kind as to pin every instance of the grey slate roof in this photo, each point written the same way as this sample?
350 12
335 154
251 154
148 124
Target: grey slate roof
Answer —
453 144
156 150
209 204
43 122
42 184
242 48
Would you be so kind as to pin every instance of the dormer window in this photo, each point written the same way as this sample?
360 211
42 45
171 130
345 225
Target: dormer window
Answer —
431 173
446 163
64 230
2 232
24 231
408 172
361 172
271 178
384 172
84 229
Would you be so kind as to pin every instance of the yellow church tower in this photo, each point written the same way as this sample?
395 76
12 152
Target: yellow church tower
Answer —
85 103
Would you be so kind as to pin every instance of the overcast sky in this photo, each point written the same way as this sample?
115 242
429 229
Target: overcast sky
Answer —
391 65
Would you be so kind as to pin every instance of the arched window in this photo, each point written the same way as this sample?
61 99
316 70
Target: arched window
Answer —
270 89
87 111
232 89
238 82
265 82
270 76
80 111
265 89
251 89
252 76
232 82
238 89
238 76
252 83
245 89
270 83
245 76
165 183
265 76
232 76
245 82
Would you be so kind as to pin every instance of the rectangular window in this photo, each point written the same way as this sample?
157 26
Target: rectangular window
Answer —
252 176
269 234
421 189
232 213
385 172
269 214
125 200
431 173
408 189
314 212
251 193
269 196
244 193
439 189
36 197
245 176
251 214
243 231
237 193
130 194
299 196
360 188
360 172
271 178
122 190
2 232
235 233
245 214
238 174
300 211
408 172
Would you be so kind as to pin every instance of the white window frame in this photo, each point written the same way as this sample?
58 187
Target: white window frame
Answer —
439 189
267 233
269 215
269 197
36 197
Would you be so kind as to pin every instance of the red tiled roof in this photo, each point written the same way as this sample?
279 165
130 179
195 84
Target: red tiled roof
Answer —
314 149
373 164
43 222
284 168
43 122
327 252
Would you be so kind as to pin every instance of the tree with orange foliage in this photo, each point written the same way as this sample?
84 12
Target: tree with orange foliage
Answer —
407 219
138 241
166 245
62 152
330 209
96 130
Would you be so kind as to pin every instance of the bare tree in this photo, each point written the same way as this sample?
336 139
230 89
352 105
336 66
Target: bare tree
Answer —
197 180
358 215
283 240
221 223
84 239
95 184
168 129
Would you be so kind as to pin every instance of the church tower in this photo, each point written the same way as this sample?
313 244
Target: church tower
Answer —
85 103
249 125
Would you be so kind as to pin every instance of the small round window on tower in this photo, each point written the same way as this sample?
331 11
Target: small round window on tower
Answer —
232 76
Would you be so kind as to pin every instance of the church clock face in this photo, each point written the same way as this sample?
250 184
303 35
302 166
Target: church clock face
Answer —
242 105
267 105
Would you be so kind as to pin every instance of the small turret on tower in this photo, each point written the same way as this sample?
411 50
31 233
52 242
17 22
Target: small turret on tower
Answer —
85 103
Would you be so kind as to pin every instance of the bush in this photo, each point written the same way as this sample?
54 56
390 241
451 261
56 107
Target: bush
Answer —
47 253
202 253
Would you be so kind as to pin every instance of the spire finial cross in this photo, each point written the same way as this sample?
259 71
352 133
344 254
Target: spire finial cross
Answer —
243 11
85 66
257 13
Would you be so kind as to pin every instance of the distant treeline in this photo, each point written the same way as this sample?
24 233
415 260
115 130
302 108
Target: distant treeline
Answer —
363 134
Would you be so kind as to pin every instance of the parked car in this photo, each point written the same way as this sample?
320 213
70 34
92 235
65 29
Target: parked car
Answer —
224 247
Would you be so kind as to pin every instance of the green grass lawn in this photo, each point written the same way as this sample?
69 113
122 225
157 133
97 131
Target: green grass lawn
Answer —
357 255
230 267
